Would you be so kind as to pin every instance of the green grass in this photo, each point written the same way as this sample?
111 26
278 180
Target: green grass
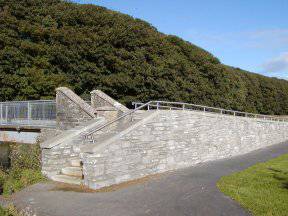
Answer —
262 188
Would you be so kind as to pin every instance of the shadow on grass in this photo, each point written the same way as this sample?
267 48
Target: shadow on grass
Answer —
281 176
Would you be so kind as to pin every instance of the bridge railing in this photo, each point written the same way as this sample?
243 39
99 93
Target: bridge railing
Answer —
195 107
28 113
165 105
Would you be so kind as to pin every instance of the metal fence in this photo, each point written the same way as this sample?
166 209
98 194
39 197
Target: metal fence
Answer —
166 105
40 113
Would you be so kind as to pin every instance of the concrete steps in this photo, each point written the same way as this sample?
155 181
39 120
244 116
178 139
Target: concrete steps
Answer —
75 162
67 179
72 174
72 171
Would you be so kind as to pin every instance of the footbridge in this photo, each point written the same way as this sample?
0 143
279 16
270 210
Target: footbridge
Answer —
22 121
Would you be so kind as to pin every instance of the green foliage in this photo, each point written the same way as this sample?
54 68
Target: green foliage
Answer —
25 168
25 156
3 177
19 179
9 211
262 188
49 43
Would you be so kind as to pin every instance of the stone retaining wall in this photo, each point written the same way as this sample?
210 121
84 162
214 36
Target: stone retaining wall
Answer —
56 158
177 139
71 109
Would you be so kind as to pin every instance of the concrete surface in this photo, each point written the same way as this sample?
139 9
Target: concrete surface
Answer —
190 191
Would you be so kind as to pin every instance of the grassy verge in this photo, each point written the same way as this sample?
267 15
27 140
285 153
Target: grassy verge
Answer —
262 188
25 169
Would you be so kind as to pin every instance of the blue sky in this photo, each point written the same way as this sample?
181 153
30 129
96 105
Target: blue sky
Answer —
249 34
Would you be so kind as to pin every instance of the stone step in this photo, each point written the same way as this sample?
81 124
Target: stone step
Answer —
66 179
72 171
75 162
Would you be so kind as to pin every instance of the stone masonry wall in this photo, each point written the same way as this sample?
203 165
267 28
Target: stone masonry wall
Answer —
177 139
56 158
100 99
107 106
71 109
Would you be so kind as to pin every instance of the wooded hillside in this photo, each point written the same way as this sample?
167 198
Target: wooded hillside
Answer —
49 43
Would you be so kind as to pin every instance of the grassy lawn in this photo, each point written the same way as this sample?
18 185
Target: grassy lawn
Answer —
262 188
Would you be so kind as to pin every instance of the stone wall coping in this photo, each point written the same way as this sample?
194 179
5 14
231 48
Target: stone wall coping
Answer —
110 100
77 100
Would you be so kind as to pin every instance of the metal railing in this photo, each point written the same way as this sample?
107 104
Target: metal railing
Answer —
164 105
89 135
40 113
187 106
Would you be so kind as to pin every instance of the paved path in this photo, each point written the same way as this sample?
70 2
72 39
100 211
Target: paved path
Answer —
189 191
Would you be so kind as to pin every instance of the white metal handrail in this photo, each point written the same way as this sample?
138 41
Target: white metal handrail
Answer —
188 106
90 133
179 106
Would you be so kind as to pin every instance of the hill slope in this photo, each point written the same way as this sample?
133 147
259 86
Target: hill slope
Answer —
49 43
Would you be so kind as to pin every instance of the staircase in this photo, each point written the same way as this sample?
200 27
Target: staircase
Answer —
72 174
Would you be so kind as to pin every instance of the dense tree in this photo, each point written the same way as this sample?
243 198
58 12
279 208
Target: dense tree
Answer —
49 43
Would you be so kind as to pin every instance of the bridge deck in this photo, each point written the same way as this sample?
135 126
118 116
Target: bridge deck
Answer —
28 114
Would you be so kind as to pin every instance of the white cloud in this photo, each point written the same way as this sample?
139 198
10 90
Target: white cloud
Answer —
278 64
258 39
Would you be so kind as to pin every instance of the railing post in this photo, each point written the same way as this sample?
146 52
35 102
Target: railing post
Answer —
157 105
183 106
28 112
43 111
1 110
148 107
6 113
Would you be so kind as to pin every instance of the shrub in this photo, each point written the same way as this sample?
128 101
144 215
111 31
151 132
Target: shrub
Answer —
21 179
9 211
25 168
25 156
3 177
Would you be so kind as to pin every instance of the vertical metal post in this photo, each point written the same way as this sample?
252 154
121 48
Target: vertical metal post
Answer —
204 109
183 106
43 113
6 113
148 107
28 112
1 114
157 105
221 112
